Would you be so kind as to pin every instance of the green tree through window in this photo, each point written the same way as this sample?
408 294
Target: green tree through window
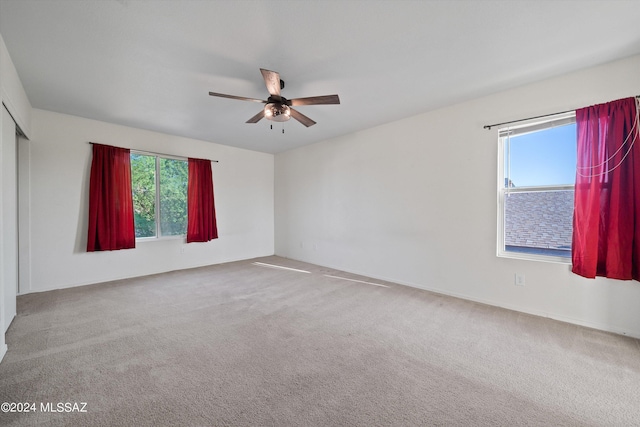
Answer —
143 185
159 181
173 196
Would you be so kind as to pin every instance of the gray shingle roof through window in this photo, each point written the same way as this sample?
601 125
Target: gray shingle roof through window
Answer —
539 219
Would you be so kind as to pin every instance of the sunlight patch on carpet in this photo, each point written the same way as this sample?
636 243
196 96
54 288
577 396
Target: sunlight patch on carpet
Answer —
262 264
354 280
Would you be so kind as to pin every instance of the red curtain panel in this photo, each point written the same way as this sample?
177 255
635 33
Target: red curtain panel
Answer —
606 220
111 225
202 225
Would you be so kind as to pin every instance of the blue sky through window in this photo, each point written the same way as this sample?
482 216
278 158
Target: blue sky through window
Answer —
546 157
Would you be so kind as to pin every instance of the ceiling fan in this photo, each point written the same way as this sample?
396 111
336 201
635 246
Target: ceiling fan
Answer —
278 108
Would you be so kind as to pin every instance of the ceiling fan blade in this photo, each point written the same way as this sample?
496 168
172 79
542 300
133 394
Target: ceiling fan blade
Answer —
256 118
315 100
241 98
272 81
301 117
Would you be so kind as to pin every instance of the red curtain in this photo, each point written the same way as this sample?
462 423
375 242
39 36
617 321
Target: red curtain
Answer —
202 225
111 223
606 219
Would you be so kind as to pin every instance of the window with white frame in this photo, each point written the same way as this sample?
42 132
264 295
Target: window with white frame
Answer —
159 187
536 176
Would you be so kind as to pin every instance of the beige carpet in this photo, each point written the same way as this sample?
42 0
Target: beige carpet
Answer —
242 344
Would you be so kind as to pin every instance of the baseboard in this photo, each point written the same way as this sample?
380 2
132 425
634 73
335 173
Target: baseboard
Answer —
89 283
549 315
555 316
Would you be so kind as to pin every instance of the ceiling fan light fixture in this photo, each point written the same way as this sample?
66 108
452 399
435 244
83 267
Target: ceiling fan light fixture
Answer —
277 112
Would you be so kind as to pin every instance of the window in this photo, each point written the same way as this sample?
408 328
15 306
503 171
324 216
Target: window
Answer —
535 189
159 188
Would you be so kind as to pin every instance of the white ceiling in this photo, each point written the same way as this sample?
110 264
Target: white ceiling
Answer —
151 64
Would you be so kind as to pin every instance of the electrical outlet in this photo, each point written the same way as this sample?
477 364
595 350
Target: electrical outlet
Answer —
519 279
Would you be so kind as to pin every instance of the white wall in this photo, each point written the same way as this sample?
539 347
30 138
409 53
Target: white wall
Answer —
14 98
414 202
12 93
59 160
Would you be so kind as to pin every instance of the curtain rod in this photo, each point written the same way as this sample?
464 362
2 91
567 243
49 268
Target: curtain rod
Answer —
157 154
488 127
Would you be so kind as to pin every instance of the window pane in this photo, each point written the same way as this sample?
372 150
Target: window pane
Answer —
143 184
545 157
539 222
173 197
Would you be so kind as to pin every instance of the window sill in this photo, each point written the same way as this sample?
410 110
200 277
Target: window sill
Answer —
161 238
534 257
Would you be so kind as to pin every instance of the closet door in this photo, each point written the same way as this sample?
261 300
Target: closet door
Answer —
9 218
